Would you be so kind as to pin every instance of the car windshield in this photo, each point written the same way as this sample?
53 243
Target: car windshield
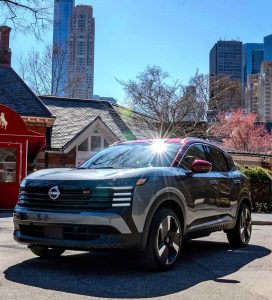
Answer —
134 155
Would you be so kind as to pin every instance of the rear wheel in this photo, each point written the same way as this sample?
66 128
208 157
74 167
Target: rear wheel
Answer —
164 241
46 252
240 235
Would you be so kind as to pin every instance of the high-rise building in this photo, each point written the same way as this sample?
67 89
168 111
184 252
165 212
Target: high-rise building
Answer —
81 53
252 57
252 94
62 19
268 48
226 59
226 76
265 92
259 93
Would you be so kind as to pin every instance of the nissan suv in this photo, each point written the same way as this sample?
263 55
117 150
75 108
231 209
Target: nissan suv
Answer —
151 195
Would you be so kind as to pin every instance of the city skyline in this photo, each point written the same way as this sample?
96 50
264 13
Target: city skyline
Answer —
130 36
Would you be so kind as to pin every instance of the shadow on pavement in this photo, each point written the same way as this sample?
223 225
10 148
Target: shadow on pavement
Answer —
119 275
6 214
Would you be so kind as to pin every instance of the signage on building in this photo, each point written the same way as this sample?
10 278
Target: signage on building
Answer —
3 121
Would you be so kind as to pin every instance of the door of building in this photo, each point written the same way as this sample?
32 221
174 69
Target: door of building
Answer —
10 173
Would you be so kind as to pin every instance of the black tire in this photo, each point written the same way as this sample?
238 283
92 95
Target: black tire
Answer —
164 241
46 252
240 235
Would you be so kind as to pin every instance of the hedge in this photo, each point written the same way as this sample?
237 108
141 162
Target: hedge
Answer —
261 188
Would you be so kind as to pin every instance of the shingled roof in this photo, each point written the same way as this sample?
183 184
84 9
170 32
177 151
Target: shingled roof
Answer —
74 115
18 96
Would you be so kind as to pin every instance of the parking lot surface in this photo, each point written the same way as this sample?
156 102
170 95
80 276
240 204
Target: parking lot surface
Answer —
208 269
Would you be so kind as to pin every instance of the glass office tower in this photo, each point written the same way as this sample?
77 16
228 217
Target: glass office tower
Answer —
63 10
268 48
252 57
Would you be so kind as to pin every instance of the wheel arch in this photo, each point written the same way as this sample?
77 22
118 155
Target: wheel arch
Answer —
170 200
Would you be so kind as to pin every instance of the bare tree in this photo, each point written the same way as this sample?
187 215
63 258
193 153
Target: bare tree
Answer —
225 93
220 93
33 16
37 70
166 106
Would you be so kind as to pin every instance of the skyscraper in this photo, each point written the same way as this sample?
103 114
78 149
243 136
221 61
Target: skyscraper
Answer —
252 94
81 53
259 93
252 57
225 61
62 19
265 92
268 48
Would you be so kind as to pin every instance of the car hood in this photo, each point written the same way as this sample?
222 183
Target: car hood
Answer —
86 174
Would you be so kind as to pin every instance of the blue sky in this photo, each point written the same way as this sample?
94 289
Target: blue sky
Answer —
176 35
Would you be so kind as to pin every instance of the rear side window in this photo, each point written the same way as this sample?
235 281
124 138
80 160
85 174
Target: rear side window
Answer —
196 151
217 158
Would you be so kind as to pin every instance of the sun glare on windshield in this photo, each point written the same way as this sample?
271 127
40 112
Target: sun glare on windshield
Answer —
159 146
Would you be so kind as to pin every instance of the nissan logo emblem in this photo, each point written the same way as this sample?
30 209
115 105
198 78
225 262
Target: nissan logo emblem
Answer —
54 193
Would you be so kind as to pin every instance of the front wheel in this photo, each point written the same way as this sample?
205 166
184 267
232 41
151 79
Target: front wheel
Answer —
46 252
240 235
164 241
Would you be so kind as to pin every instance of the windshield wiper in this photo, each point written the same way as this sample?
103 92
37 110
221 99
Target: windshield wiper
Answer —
103 168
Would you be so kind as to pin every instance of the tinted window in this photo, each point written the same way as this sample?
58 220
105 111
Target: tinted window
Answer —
217 158
194 152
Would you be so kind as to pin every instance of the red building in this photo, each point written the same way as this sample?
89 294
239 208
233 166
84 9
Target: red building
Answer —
24 124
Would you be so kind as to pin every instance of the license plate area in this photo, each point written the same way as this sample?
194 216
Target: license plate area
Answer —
53 232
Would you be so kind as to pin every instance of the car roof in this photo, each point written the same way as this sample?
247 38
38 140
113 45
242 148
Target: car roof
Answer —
184 141
170 140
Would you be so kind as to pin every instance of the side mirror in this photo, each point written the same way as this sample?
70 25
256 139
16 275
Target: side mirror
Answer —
201 166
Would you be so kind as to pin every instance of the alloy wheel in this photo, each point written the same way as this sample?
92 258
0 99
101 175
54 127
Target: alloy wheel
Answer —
245 225
168 240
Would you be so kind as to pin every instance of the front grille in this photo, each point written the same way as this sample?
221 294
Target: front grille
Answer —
67 232
72 199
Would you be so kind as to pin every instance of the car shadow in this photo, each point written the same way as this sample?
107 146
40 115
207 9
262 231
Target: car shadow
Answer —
119 275
6 214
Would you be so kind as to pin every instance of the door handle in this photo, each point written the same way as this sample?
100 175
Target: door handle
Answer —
236 181
213 181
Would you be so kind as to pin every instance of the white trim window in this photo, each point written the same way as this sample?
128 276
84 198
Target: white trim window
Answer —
92 144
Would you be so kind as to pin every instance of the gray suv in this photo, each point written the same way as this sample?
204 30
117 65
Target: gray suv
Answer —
151 195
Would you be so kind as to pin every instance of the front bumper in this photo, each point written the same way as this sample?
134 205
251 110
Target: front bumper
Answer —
84 230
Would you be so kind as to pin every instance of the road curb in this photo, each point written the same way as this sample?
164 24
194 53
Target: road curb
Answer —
262 222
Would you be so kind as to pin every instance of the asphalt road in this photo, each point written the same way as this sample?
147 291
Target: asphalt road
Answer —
208 269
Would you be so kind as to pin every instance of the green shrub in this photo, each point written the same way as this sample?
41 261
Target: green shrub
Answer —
260 183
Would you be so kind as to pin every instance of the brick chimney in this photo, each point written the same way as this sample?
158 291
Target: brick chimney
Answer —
5 52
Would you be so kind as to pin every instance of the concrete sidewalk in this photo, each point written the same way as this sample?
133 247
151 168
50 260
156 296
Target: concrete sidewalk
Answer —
261 219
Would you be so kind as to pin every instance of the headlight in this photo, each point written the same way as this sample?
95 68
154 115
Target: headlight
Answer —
23 183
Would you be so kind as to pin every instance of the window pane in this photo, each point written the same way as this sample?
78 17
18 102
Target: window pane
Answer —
7 165
217 158
95 143
106 144
193 153
83 146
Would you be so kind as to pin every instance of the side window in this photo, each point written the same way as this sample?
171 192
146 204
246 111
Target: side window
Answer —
218 160
194 152
231 163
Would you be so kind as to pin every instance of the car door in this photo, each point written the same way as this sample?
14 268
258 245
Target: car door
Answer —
200 188
222 174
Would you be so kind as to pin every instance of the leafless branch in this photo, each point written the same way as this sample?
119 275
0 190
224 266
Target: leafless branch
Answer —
27 16
36 69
